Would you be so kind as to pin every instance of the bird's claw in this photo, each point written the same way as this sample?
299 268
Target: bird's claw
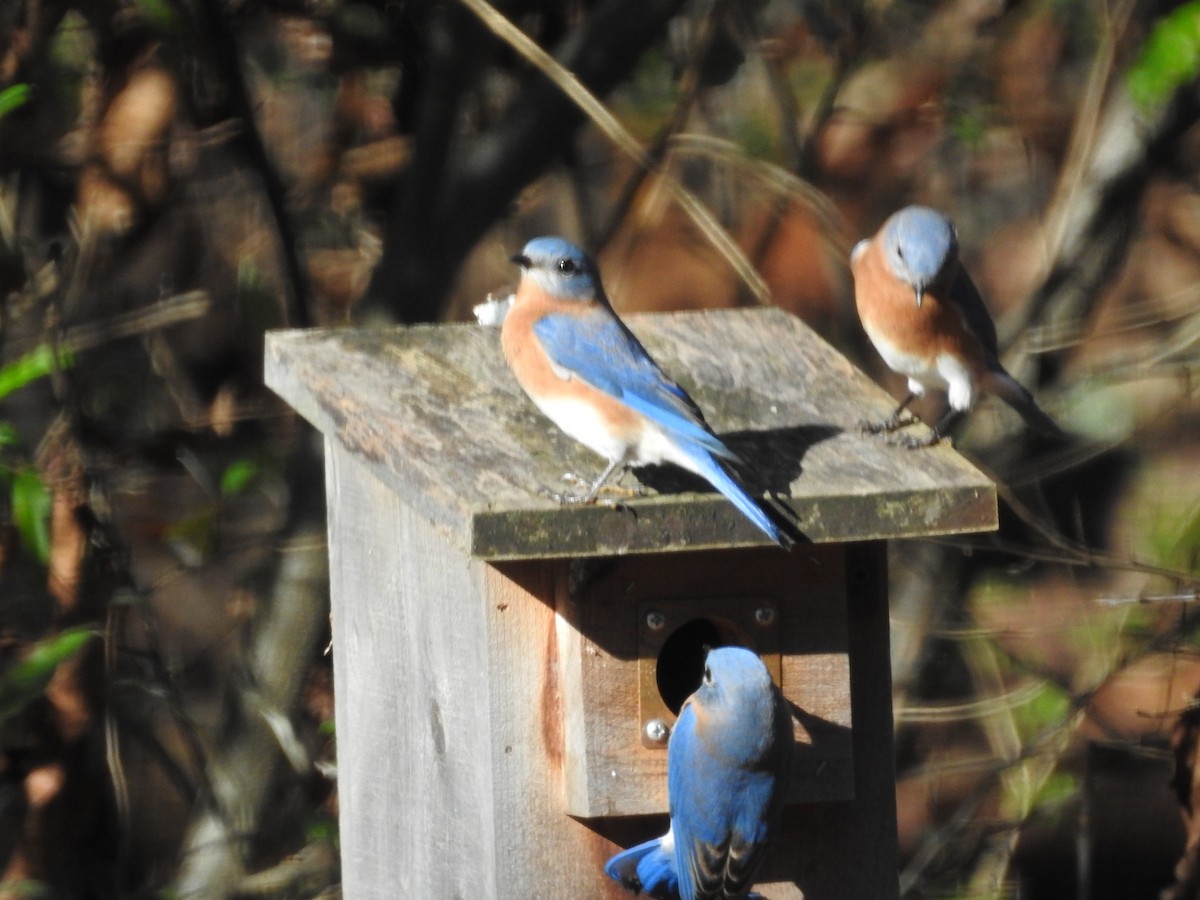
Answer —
909 442
887 426
582 485
587 493
568 498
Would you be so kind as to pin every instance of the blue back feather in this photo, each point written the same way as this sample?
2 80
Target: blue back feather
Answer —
726 787
597 349
594 346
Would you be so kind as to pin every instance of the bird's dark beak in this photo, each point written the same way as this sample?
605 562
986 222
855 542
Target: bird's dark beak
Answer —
920 294
521 260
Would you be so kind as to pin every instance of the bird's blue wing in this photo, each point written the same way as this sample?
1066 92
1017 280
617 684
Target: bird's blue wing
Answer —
699 817
721 813
970 303
597 349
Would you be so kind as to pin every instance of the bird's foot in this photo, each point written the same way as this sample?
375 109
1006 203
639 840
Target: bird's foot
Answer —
583 486
892 423
911 442
587 493
568 498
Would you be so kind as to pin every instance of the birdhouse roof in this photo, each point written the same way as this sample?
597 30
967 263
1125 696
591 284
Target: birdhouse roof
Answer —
433 412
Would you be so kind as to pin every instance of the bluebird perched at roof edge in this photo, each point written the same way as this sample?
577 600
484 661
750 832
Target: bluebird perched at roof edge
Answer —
588 374
729 761
928 321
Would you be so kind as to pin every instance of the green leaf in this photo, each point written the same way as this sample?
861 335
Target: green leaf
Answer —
37 363
1170 57
1057 790
13 98
323 828
237 477
160 14
27 889
31 512
1046 709
25 681
1186 549
8 435
970 127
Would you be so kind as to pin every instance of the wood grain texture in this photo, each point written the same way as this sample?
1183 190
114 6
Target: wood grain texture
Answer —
449 720
435 414
414 751
842 850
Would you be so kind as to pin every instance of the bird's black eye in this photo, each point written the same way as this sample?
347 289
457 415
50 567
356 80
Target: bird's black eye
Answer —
900 252
567 266
707 675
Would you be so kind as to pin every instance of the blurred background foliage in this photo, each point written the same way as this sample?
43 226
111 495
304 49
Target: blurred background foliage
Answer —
178 176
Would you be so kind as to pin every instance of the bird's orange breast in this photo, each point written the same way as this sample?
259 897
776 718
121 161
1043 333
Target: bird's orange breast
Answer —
532 366
888 309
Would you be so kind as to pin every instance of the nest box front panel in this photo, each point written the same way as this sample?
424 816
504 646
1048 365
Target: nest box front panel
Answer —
633 632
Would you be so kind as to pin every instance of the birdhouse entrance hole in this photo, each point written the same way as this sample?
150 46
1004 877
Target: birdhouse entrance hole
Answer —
675 636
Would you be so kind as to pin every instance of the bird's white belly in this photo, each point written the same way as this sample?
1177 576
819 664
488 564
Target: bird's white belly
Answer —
644 445
942 372
583 422
911 365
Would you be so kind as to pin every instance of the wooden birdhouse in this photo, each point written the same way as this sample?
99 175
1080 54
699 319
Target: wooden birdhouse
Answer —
507 670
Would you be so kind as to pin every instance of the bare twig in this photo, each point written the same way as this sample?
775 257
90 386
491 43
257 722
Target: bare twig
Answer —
1098 214
228 61
424 247
973 709
241 768
1062 222
163 314
1150 599
608 124
689 84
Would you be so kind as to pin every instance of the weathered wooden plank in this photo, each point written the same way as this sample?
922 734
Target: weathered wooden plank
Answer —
449 719
843 850
414 751
435 414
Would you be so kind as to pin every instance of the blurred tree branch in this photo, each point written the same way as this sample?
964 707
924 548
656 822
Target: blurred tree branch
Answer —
1095 221
227 60
243 767
434 221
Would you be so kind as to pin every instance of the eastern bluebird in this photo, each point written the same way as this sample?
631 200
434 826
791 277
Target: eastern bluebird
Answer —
926 318
728 764
587 372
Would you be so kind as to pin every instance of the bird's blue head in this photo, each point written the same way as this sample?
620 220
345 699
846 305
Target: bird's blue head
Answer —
731 674
920 244
560 268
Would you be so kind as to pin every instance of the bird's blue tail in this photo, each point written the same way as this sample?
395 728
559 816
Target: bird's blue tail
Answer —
709 468
1015 395
646 868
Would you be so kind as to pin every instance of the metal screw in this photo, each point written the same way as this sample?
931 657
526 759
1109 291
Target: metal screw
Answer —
657 731
764 615
655 620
